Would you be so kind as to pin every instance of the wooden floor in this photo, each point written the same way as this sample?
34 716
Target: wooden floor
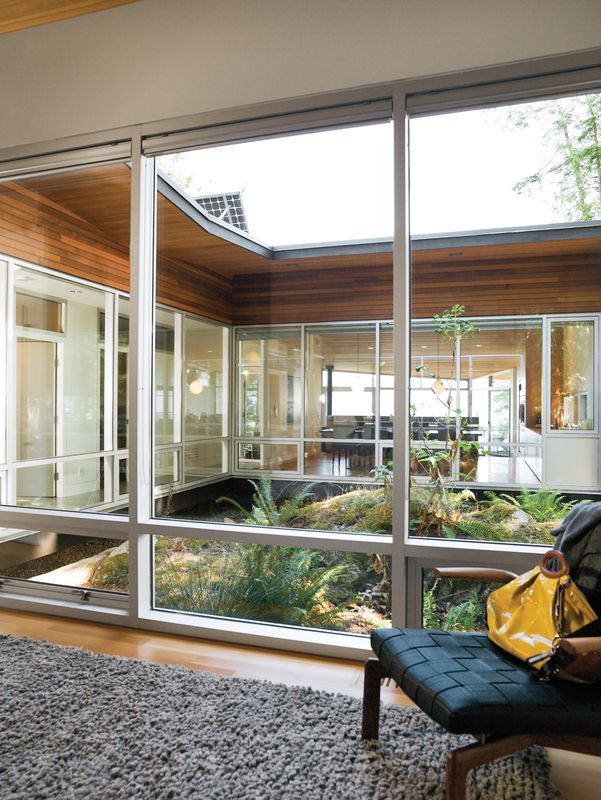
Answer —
576 776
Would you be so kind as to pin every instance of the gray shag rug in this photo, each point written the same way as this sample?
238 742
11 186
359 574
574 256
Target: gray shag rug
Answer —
78 725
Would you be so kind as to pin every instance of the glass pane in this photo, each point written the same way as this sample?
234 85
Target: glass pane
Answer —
36 399
543 171
493 456
386 381
166 395
123 477
282 585
166 467
64 560
352 163
69 264
454 605
342 458
340 382
572 375
259 457
269 371
205 354
68 485
37 312
305 322
204 460
122 388
60 381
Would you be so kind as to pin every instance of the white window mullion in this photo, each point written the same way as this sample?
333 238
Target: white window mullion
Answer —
110 384
401 300
141 351
11 394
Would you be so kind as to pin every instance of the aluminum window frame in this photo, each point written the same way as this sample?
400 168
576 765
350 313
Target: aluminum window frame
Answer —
530 79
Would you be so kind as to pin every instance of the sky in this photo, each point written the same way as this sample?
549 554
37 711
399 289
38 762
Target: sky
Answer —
337 185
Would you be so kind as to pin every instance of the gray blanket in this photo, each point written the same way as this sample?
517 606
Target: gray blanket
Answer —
579 539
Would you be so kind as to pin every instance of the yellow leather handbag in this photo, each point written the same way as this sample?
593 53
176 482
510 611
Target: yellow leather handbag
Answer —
528 615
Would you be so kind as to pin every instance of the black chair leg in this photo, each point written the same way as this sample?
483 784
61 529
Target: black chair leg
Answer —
373 675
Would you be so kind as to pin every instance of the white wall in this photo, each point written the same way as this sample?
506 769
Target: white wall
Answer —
162 58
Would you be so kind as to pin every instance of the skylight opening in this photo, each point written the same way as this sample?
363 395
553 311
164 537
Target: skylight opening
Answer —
310 188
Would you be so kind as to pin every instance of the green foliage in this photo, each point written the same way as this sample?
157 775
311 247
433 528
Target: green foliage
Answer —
543 505
469 528
383 473
267 510
463 617
570 154
251 581
434 507
437 511
429 611
454 605
452 326
112 573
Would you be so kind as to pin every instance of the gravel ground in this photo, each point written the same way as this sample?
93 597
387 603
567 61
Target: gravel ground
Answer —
62 557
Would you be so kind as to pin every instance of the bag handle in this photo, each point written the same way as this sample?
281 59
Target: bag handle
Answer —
564 569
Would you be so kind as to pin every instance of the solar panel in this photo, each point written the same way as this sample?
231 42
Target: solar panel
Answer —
226 207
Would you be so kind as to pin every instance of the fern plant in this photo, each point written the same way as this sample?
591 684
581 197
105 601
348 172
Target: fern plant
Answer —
430 619
543 505
267 510
463 617
251 581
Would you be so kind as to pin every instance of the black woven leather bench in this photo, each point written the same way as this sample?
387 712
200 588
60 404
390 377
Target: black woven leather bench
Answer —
468 685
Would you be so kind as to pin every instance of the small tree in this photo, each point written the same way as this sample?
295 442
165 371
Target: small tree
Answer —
451 326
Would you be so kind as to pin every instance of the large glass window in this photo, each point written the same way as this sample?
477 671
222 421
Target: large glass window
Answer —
64 267
345 592
273 369
236 253
503 365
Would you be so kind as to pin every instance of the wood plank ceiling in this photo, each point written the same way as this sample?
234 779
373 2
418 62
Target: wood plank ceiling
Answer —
554 275
16 15
100 195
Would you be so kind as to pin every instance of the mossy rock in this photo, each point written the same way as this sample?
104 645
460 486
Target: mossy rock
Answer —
112 574
368 510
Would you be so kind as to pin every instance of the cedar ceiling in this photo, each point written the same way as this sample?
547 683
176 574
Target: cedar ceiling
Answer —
16 15
101 196
213 273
